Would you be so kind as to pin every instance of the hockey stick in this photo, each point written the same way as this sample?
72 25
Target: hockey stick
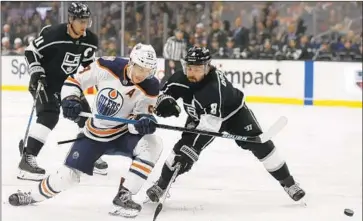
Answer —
23 142
264 137
70 141
160 205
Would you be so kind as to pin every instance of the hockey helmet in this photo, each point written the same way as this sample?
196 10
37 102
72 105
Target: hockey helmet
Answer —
198 56
78 10
145 56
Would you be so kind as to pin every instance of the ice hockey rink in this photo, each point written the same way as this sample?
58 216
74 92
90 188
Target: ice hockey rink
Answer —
322 146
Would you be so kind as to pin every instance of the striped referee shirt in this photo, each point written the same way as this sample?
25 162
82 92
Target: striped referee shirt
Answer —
174 49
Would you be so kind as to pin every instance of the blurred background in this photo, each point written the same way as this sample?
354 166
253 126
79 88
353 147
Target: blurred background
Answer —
233 30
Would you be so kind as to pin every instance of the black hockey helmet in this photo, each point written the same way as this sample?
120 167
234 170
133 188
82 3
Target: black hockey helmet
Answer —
79 10
198 56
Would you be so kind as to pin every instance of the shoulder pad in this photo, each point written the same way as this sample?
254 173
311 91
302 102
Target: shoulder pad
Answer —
44 30
114 65
150 86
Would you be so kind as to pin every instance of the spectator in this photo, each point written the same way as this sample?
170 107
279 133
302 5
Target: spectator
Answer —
230 51
18 46
200 36
291 51
240 34
307 51
7 33
214 48
267 52
227 28
5 46
325 53
289 35
216 32
251 52
358 56
186 36
347 53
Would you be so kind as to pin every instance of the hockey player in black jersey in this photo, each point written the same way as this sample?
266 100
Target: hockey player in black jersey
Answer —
212 104
56 54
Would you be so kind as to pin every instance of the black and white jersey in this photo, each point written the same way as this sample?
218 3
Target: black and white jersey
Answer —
209 103
59 54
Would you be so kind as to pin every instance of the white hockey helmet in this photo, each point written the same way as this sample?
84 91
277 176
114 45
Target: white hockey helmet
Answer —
145 56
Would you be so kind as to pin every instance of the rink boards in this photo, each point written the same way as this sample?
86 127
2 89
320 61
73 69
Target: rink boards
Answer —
281 82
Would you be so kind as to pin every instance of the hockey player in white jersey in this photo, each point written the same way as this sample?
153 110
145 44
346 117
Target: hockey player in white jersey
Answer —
126 89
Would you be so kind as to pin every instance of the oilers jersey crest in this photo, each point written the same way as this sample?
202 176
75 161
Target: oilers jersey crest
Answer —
117 96
109 102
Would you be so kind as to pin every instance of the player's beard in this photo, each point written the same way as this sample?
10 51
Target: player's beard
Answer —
192 79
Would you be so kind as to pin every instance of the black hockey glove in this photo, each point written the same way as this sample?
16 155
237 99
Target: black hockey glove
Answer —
71 107
166 106
37 74
146 124
186 156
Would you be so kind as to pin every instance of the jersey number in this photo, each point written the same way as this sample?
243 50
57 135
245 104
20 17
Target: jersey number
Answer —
38 41
213 108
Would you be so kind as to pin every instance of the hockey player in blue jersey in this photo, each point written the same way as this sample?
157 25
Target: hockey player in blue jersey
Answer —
126 89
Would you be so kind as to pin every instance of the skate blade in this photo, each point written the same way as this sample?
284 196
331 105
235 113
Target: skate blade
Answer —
102 172
147 200
25 175
126 213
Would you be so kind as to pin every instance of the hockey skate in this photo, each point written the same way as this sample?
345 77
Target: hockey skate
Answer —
21 199
154 193
124 204
293 189
100 167
29 169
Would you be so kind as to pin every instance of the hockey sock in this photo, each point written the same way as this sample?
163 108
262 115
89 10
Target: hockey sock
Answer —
271 160
37 137
165 177
137 175
52 185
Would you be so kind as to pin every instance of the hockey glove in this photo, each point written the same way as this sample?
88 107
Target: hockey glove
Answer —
186 156
166 106
37 75
71 107
146 124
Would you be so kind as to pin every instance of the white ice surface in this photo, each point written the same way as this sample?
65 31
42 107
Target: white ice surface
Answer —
322 146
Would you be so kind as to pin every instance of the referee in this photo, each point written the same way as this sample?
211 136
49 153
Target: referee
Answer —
175 49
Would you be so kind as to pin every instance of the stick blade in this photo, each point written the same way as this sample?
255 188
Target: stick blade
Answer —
157 211
274 129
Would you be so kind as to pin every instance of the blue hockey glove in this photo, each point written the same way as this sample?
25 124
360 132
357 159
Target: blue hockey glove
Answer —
71 107
146 124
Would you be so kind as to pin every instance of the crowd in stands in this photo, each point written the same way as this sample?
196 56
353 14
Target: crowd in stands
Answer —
234 30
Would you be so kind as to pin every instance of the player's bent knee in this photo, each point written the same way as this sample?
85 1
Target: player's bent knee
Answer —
262 150
149 148
48 119
65 178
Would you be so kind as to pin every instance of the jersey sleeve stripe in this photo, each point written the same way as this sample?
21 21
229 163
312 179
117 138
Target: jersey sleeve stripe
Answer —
89 45
53 43
106 69
73 81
